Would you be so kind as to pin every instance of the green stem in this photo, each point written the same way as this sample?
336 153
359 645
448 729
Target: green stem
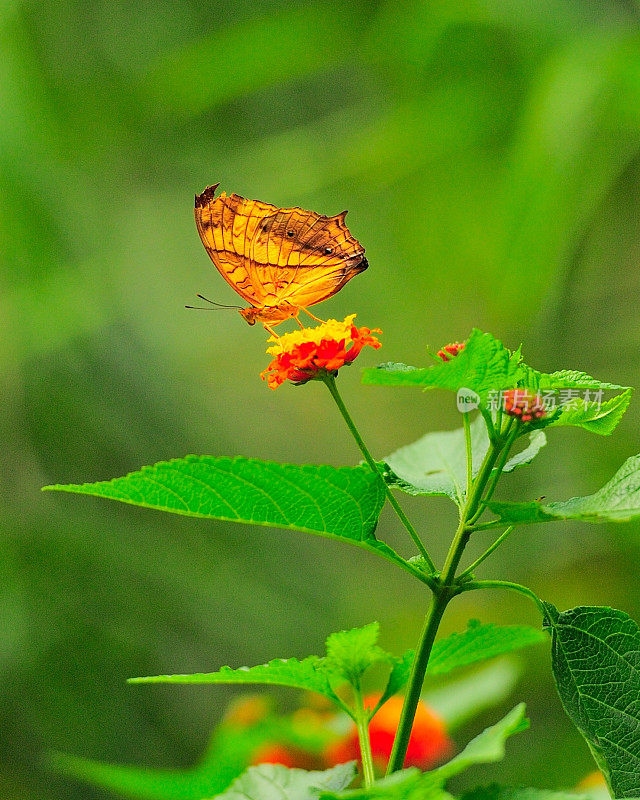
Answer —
511 436
514 587
467 441
362 725
330 381
442 594
486 553
437 608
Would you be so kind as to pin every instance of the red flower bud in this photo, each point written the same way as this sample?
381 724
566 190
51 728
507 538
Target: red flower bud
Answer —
523 405
449 351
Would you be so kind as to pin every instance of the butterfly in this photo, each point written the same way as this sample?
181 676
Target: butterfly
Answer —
280 260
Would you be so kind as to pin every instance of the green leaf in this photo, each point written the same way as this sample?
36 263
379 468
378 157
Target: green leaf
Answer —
275 782
458 701
487 747
601 418
436 464
617 501
342 503
230 752
596 664
484 365
309 674
397 680
350 653
562 379
478 643
496 792
403 785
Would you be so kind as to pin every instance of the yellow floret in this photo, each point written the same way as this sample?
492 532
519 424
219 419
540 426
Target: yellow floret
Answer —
329 330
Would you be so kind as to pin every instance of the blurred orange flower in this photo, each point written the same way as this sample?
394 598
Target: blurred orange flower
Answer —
429 743
285 754
304 355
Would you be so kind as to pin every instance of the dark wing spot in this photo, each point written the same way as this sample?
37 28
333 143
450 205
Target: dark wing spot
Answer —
328 251
291 234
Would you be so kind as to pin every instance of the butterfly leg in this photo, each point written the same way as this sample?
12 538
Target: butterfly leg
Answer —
306 311
270 330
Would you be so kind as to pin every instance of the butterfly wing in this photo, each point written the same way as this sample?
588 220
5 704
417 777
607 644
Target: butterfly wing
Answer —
270 255
303 257
324 258
226 225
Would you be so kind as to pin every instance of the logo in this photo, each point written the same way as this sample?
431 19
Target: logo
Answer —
467 400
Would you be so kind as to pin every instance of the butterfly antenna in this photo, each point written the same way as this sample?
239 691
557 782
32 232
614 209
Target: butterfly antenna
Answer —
211 303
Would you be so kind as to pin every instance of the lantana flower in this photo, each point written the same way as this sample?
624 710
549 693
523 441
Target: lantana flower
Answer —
311 353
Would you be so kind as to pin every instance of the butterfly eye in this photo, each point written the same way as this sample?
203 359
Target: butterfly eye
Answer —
328 251
290 234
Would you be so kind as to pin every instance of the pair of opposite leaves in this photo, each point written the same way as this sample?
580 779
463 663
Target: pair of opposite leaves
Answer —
280 260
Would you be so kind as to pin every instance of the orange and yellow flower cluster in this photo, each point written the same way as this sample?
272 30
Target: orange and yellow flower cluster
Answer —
310 353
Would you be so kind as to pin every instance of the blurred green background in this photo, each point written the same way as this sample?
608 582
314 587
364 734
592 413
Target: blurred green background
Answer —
489 154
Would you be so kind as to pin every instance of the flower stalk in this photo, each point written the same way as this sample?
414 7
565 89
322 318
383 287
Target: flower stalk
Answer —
361 718
330 382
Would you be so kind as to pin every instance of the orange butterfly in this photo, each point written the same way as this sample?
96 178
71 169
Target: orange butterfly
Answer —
280 260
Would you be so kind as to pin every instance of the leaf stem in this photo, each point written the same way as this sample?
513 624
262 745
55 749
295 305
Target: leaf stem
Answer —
486 553
330 381
514 587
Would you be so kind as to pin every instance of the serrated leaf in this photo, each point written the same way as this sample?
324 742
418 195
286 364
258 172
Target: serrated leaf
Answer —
310 673
495 792
596 664
484 365
398 678
275 782
351 653
337 502
617 501
436 464
478 643
562 379
601 418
